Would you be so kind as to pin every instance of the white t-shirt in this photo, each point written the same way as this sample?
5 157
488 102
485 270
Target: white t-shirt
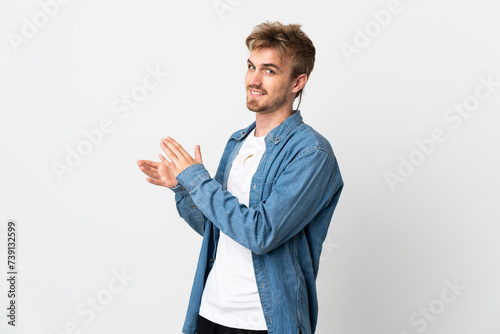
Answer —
230 297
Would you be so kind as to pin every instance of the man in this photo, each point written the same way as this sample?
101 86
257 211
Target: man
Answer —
265 214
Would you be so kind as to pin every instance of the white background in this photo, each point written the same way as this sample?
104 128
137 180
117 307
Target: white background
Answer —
389 250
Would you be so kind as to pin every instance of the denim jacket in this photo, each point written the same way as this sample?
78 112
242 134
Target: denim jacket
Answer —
292 198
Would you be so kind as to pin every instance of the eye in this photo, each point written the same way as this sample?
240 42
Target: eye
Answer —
251 67
270 71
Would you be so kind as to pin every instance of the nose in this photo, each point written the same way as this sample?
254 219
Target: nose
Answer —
255 79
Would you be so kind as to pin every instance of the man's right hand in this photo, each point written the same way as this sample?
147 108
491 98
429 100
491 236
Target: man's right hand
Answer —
159 174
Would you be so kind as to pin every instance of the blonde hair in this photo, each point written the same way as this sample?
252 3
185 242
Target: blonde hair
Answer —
286 40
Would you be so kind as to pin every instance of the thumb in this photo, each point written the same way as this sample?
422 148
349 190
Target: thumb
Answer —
197 154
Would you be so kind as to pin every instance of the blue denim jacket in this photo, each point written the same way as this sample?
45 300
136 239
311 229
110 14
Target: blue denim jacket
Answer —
292 198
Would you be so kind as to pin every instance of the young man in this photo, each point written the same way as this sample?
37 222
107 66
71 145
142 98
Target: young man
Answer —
265 214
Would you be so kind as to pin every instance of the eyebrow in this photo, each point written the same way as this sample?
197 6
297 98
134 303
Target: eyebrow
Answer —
266 65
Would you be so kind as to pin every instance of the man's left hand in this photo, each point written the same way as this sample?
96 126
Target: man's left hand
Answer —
180 159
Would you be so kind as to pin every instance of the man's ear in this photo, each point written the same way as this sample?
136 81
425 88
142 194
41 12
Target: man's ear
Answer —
299 83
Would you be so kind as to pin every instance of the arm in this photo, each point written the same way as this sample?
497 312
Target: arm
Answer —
188 210
305 186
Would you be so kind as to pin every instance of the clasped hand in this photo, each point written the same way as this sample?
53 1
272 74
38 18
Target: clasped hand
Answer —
164 173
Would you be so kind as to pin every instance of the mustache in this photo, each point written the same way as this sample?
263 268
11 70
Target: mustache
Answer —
257 89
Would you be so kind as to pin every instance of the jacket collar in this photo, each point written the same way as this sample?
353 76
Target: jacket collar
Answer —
276 134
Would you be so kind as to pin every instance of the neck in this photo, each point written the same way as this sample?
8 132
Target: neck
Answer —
266 121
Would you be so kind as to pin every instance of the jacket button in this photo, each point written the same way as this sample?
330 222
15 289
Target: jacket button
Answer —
211 260
194 206
182 188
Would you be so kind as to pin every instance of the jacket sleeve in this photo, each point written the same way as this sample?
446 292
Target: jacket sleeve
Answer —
307 184
187 209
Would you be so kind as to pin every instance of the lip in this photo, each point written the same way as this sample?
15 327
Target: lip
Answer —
256 96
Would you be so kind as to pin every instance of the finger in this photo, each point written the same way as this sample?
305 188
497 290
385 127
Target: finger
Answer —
168 151
197 154
166 162
149 171
154 181
178 149
152 165
148 164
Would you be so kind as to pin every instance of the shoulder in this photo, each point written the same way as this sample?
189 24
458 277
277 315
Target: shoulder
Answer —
304 139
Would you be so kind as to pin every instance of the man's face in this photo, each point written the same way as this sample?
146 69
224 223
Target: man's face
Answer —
268 83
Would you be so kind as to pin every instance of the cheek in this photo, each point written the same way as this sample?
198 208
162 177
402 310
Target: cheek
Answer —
277 86
247 78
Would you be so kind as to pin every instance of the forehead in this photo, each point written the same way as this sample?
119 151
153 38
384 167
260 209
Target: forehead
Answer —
268 55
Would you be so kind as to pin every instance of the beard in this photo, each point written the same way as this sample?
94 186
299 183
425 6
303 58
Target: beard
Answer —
256 105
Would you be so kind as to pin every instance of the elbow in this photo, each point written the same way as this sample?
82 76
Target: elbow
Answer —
264 238
260 250
263 246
